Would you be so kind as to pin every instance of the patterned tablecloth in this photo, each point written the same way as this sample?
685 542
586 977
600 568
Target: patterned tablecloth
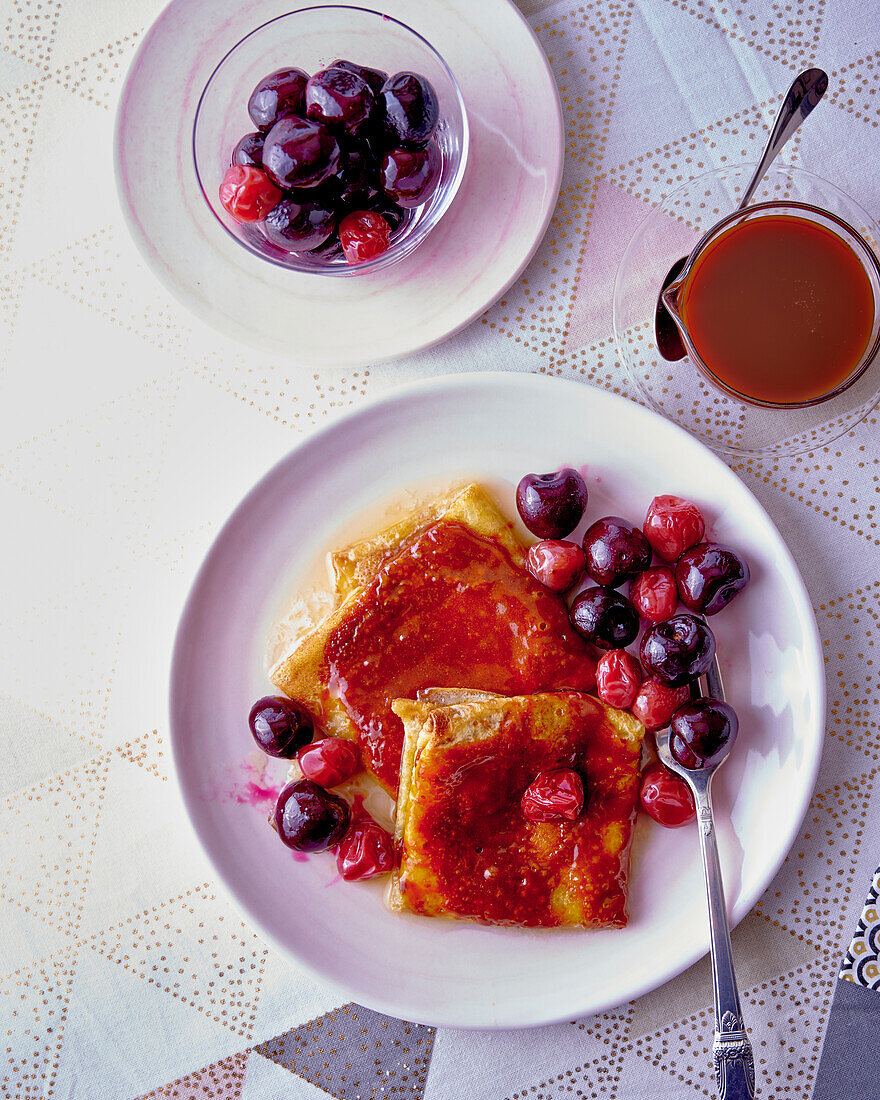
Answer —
123 972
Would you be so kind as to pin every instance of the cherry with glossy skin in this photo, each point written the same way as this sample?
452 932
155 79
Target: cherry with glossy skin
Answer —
618 678
605 618
364 852
556 564
411 111
299 227
654 594
410 176
276 96
298 152
666 797
364 235
280 726
551 505
329 761
249 151
702 732
247 193
556 795
339 97
616 551
677 651
309 819
655 704
355 178
709 576
672 526
374 77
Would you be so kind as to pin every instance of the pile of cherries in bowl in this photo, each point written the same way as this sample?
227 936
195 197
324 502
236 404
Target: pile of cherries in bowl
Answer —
676 647
308 815
337 162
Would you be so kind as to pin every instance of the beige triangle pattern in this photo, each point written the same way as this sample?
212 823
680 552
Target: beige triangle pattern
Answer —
854 88
19 113
97 76
218 1081
30 31
785 32
37 999
353 1053
48 839
89 271
655 173
807 896
530 314
784 1066
814 480
854 688
195 949
536 311
148 752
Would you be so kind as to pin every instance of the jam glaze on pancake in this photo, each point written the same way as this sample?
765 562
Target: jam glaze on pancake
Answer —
451 608
466 848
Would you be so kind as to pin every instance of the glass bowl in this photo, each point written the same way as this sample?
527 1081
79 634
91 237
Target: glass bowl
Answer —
686 391
310 39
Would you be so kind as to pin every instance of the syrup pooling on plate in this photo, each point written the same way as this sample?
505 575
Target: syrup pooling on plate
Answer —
451 610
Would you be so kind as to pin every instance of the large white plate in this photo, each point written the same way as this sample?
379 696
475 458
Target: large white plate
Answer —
480 246
458 974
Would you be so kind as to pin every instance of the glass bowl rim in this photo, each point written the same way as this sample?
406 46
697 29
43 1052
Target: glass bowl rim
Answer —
390 256
760 209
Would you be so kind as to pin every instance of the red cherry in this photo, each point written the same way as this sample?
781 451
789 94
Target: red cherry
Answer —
654 594
554 796
666 797
364 235
618 677
365 851
672 526
556 563
655 704
247 193
329 761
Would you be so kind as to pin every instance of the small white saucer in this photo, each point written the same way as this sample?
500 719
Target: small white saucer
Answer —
482 244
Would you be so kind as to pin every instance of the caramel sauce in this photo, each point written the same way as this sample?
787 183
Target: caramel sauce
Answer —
779 308
452 609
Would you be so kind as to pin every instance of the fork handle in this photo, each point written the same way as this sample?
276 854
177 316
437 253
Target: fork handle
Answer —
731 1049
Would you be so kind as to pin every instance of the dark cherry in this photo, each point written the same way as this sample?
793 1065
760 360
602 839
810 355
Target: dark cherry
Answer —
605 618
709 575
411 108
298 152
308 818
702 733
390 211
280 726
615 551
337 96
299 227
551 505
249 151
410 176
355 181
330 249
677 651
374 77
277 95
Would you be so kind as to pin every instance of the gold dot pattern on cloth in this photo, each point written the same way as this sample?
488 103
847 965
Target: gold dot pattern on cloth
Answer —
216 971
353 1053
853 703
85 465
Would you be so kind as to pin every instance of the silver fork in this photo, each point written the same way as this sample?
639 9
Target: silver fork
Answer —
731 1049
